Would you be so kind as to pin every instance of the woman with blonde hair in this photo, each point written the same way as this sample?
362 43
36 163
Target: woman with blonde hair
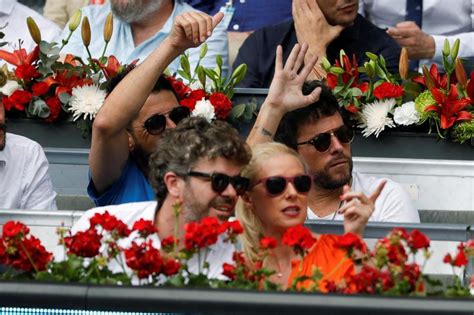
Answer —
276 201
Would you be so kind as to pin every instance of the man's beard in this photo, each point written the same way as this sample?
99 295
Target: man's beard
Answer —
3 136
134 10
193 210
141 157
325 180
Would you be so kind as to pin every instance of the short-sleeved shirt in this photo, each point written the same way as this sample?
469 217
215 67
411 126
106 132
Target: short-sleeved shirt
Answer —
122 45
259 49
394 204
132 186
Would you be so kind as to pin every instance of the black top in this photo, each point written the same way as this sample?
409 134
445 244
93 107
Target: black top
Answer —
259 50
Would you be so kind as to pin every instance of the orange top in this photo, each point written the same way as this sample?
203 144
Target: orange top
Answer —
329 259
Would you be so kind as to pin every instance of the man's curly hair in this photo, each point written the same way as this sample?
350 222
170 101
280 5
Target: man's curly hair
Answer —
180 148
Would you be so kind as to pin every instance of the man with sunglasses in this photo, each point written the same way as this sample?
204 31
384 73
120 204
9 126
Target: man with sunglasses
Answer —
308 118
196 169
140 106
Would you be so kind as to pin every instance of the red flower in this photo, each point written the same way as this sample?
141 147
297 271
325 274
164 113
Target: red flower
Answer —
418 240
37 253
460 260
351 241
13 229
448 259
26 72
110 223
84 244
268 243
171 267
39 88
145 227
197 94
449 107
167 243
201 234
228 271
470 88
233 228
400 232
55 108
20 57
239 258
298 237
188 102
179 87
440 80
18 100
222 105
144 259
388 90
352 108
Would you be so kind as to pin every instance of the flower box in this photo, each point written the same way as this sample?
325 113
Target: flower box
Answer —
148 299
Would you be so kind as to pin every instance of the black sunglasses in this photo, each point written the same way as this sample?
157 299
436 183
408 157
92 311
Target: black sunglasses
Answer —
276 185
322 142
156 124
219 181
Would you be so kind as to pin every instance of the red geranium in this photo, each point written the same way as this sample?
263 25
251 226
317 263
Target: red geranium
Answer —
171 267
167 244
351 241
418 240
144 259
228 270
268 243
84 244
233 228
388 90
298 237
110 223
145 227
201 234
13 229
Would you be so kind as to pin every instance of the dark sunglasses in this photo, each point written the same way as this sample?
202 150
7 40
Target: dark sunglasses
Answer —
156 124
276 185
219 181
322 142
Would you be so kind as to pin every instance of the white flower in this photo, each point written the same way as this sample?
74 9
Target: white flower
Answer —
406 114
9 87
374 117
86 100
204 109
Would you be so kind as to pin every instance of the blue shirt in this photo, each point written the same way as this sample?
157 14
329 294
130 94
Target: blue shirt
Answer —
122 46
132 186
259 49
249 15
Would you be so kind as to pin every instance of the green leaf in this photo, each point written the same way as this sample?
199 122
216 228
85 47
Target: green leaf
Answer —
238 110
38 108
356 92
184 75
184 63
455 49
219 61
203 51
371 56
336 70
326 64
238 74
201 76
64 98
211 74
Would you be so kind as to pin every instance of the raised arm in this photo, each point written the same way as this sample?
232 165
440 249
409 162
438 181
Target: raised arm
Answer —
285 93
109 148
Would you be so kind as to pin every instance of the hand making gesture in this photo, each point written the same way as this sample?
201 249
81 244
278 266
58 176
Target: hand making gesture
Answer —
285 93
358 208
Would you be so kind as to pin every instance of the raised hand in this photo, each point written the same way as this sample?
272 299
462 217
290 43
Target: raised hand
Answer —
285 93
191 29
358 208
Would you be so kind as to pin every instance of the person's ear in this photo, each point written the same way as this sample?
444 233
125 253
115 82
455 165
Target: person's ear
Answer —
174 185
131 142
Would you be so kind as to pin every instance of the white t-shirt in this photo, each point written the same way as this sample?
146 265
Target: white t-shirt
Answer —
129 213
393 205
24 179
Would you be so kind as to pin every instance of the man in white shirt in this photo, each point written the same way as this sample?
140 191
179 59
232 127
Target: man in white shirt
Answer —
24 179
197 166
439 19
140 27
13 16
308 118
